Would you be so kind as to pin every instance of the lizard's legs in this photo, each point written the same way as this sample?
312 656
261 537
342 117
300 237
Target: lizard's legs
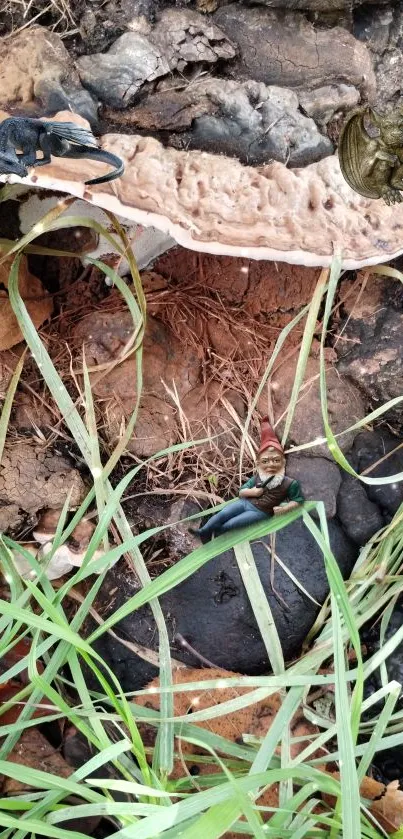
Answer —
381 163
29 154
28 148
26 138
28 158
396 178
11 154
391 195
392 191
45 147
384 176
58 146
10 165
387 156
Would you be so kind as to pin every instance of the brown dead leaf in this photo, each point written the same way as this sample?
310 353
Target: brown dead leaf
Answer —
387 802
9 689
34 751
19 651
369 788
388 810
8 362
30 412
37 301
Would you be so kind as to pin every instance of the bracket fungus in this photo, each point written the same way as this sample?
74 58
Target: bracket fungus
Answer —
214 204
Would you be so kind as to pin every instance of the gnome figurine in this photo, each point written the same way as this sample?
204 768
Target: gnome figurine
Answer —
268 493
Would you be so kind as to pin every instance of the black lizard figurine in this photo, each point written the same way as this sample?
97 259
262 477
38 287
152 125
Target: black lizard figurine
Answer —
60 139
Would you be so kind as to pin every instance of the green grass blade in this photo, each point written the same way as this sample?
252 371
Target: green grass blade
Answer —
260 605
8 402
350 794
306 344
379 729
274 734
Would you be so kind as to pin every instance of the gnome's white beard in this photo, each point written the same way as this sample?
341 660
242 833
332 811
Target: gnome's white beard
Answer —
275 480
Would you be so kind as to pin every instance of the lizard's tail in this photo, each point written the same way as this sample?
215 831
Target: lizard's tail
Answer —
97 154
105 157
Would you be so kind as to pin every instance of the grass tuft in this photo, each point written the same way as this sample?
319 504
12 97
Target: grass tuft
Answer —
312 800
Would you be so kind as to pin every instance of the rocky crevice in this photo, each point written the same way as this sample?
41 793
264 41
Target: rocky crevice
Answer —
254 81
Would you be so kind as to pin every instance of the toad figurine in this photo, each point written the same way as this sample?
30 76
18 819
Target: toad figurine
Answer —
269 492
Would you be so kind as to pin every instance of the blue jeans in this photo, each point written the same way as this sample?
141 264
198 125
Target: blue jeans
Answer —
238 514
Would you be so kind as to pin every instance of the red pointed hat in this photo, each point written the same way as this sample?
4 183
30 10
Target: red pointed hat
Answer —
268 437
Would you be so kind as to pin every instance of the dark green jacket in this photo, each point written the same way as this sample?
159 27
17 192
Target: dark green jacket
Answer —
288 490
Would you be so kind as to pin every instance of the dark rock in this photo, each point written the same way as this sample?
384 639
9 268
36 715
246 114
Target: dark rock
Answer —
186 37
345 406
178 539
369 448
211 609
360 517
115 77
389 762
372 25
320 479
282 48
98 33
242 119
126 12
322 103
256 123
149 511
77 750
371 346
394 662
170 108
382 31
102 23
56 97
35 65
370 638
